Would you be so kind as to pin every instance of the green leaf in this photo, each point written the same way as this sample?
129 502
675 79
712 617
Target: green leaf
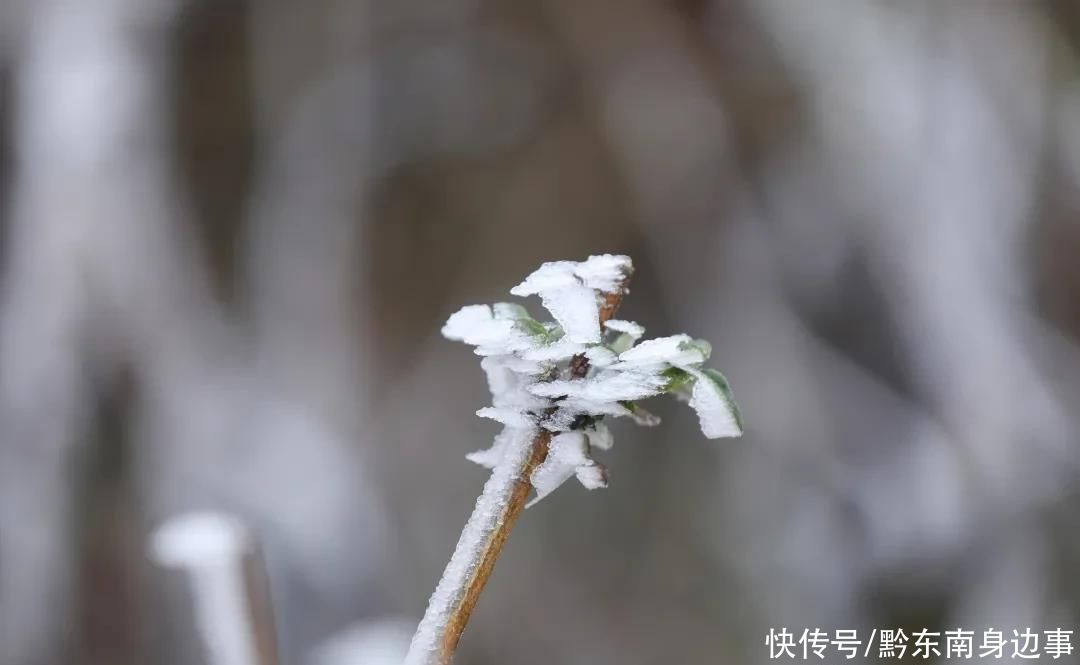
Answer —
524 321
679 380
510 310
534 328
699 345
712 399
622 342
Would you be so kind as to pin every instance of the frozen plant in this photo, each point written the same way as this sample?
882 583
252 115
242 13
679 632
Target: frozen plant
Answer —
553 387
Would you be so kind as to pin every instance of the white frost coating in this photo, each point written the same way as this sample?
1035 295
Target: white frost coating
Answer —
592 476
211 548
572 407
604 387
630 328
476 325
676 351
561 350
604 272
526 361
570 291
509 384
490 457
600 356
600 437
715 411
507 416
485 517
568 455
576 308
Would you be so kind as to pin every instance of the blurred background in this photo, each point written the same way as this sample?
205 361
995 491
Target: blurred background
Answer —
230 232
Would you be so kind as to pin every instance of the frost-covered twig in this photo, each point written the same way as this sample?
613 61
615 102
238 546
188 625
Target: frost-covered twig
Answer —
552 384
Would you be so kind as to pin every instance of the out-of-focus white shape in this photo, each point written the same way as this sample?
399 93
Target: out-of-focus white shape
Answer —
210 548
196 539
424 649
381 642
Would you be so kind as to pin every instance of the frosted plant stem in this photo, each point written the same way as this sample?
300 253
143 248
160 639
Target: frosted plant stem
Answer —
501 502
481 541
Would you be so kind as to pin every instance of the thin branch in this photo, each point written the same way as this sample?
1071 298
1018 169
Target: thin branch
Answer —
506 492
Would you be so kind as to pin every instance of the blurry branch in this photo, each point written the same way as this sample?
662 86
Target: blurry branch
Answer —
228 583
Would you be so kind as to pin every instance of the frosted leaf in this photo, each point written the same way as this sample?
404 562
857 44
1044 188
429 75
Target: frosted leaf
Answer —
622 343
676 351
569 291
604 272
561 350
510 310
591 476
568 455
717 412
571 408
641 416
550 275
490 457
604 387
600 356
577 310
600 437
530 369
509 384
634 330
548 477
508 416
477 325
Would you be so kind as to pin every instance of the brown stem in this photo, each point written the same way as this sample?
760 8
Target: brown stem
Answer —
459 617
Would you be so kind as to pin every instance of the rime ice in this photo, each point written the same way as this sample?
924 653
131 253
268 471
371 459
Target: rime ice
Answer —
527 361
